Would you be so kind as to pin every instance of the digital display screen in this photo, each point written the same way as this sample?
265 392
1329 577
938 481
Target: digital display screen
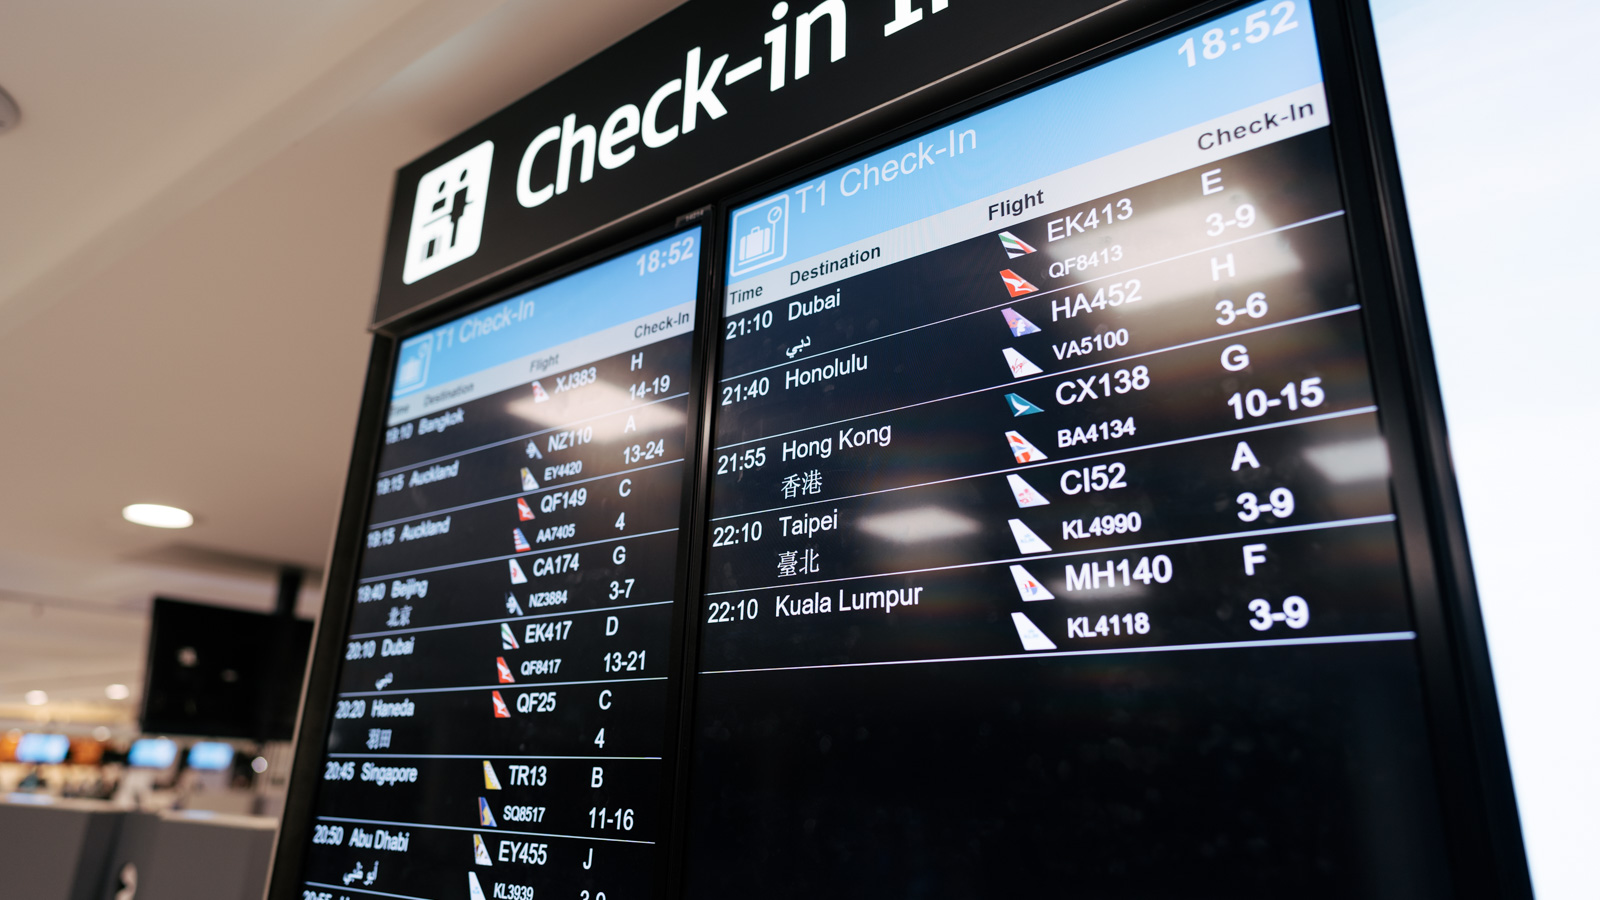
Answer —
152 753
35 747
213 756
505 704
1052 541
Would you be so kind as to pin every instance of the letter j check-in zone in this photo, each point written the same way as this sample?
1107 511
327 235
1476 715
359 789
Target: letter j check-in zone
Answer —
760 235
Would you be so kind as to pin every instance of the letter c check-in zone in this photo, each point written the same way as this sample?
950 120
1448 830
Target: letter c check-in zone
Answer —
761 235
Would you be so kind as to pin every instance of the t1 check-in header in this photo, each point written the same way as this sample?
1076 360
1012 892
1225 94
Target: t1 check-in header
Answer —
674 110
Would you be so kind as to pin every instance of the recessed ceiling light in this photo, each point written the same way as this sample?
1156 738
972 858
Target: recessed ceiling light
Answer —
259 764
116 692
36 698
102 733
157 516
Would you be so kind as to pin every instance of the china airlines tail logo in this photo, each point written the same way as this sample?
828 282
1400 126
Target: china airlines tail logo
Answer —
447 221
1015 283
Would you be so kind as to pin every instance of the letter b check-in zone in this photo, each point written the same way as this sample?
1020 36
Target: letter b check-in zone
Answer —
760 235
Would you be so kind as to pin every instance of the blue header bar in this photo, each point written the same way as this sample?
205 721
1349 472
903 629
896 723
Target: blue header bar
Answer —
650 280
1228 63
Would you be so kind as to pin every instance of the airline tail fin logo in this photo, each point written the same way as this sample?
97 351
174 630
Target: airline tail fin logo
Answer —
503 670
533 450
1024 492
539 396
1021 366
529 483
1018 323
1024 451
480 853
508 641
519 541
485 817
1020 406
516 573
512 606
473 886
1029 586
1027 541
491 781
1032 637
1016 284
524 511
501 712
1014 245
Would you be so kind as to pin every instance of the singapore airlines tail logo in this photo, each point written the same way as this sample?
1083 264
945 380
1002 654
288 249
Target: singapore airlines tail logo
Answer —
447 220
1015 283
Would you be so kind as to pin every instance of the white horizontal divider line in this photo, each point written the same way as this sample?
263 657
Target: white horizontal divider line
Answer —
491 559
543 490
498 687
530 616
481 830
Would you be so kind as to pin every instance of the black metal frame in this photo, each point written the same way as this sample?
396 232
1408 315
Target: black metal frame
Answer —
327 660
1476 799
1476 795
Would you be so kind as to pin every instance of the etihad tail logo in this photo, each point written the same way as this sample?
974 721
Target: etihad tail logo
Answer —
502 712
480 853
1018 323
1014 245
1022 449
517 577
524 511
508 641
1021 366
504 670
529 483
491 781
485 817
1029 586
520 541
1032 637
1020 406
1027 541
1016 284
539 396
473 886
1024 492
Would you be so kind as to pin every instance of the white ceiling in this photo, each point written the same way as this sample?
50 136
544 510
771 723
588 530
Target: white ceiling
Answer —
191 221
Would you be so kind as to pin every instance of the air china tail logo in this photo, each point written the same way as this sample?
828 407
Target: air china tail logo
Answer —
1015 283
447 221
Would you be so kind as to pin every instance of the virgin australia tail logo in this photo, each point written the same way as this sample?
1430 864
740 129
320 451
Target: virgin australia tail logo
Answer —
447 221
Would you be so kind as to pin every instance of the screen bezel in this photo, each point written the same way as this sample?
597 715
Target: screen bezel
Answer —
316 712
1476 797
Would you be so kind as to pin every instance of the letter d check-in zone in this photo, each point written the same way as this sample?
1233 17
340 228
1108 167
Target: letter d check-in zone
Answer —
761 235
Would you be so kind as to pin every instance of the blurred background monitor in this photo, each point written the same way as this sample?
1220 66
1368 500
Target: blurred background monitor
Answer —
152 753
211 756
217 672
42 748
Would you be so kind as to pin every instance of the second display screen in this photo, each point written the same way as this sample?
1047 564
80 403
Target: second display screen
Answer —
1052 543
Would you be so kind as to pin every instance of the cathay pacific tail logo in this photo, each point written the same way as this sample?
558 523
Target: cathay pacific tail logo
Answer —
447 221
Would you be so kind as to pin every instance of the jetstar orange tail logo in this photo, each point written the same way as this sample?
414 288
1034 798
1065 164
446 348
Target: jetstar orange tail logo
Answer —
1015 283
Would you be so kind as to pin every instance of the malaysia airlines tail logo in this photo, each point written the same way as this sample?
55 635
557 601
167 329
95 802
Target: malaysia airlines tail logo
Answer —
519 541
524 511
500 712
1014 245
508 641
1016 284
503 670
1029 586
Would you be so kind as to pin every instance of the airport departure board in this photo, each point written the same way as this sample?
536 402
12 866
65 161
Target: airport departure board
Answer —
1052 545
507 694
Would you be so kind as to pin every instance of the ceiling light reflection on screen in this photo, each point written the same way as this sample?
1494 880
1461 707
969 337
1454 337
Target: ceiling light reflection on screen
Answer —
599 395
914 526
1348 461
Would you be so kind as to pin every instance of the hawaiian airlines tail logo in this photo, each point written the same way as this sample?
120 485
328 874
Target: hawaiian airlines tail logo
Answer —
1015 283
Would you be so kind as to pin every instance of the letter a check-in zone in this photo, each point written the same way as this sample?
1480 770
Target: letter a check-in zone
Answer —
760 235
